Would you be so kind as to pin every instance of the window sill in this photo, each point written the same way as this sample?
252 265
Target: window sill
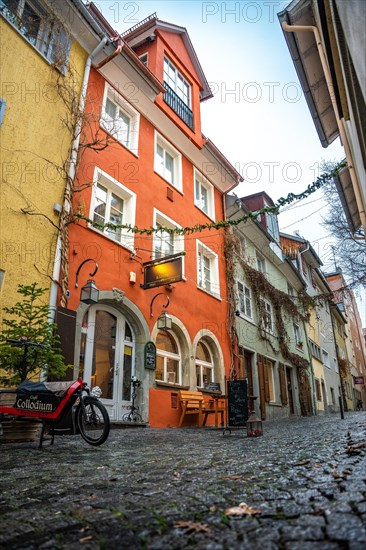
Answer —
246 318
61 70
125 246
212 393
269 333
217 296
161 384
180 191
132 151
208 215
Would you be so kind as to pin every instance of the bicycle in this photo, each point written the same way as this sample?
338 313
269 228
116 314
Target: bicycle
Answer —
50 402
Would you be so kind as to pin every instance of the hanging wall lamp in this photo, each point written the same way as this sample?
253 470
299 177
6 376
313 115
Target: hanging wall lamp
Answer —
89 293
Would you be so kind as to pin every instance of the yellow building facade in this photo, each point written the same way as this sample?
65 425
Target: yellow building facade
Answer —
312 329
44 48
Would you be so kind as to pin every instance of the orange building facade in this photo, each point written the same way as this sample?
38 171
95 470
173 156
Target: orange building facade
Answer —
147 165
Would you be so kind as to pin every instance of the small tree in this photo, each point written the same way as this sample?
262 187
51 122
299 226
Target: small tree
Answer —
28 320
350 247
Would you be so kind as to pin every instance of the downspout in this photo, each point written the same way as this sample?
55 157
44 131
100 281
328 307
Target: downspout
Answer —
306 28
71 175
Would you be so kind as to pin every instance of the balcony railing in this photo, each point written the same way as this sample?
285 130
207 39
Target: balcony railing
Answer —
178 105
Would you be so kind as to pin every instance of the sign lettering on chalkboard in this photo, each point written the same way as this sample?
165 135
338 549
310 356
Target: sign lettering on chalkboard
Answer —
237 399
150 356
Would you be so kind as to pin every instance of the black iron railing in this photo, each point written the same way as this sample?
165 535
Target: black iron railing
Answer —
178 105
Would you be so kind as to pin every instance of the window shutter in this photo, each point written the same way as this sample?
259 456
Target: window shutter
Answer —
283 389
242 373
262 394
266 379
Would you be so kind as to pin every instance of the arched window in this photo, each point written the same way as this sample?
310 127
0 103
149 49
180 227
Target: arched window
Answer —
168 359
204 365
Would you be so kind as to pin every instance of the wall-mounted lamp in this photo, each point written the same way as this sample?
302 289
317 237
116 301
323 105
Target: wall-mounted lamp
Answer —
89 293
164 320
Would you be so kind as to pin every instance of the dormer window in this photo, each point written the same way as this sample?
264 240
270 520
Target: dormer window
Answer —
272 224
178 92
143 58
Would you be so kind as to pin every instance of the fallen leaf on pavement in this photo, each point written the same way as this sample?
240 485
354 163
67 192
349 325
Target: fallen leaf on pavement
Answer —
242 510
192 527
302 462
86 539
232 477
336 474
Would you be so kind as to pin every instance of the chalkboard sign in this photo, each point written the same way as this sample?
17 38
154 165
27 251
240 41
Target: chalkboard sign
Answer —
150 356
237 399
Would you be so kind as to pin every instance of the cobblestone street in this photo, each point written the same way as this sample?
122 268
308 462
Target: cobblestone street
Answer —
304 482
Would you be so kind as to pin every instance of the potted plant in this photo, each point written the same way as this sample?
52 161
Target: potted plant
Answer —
28 319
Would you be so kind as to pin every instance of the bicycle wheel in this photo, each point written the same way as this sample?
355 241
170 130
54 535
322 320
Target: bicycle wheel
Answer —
93 422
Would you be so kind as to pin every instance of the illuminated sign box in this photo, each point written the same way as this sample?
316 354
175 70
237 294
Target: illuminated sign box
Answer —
163 272
358 379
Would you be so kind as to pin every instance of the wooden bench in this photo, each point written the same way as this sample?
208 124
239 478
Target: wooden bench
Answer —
193 402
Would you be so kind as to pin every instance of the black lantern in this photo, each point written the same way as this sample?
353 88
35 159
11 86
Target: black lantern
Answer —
254 426
164 321
89 293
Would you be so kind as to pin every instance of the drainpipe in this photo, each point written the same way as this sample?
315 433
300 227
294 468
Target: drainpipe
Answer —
71 175
306 28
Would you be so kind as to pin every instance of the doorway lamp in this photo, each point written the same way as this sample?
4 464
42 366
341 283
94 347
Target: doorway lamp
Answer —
164 320
254 424
89 293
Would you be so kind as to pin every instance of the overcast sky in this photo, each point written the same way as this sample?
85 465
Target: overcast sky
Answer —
258 116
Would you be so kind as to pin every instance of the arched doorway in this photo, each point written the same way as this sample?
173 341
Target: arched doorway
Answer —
108 356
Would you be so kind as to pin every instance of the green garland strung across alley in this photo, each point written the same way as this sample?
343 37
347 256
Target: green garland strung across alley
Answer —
291 197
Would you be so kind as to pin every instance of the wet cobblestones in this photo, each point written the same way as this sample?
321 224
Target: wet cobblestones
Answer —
172 488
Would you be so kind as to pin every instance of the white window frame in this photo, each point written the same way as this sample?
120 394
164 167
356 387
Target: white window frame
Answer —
52 41
261 263
272 224
268 309
200 184
129 210
161 169
178 240
169 355
290 290
174 82
199 363
115 128
298 335
244 295
203 252
325 358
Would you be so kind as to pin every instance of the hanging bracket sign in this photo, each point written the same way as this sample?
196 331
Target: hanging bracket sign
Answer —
163 272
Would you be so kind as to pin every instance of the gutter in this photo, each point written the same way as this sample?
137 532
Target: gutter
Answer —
309 28
71 177
82 9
